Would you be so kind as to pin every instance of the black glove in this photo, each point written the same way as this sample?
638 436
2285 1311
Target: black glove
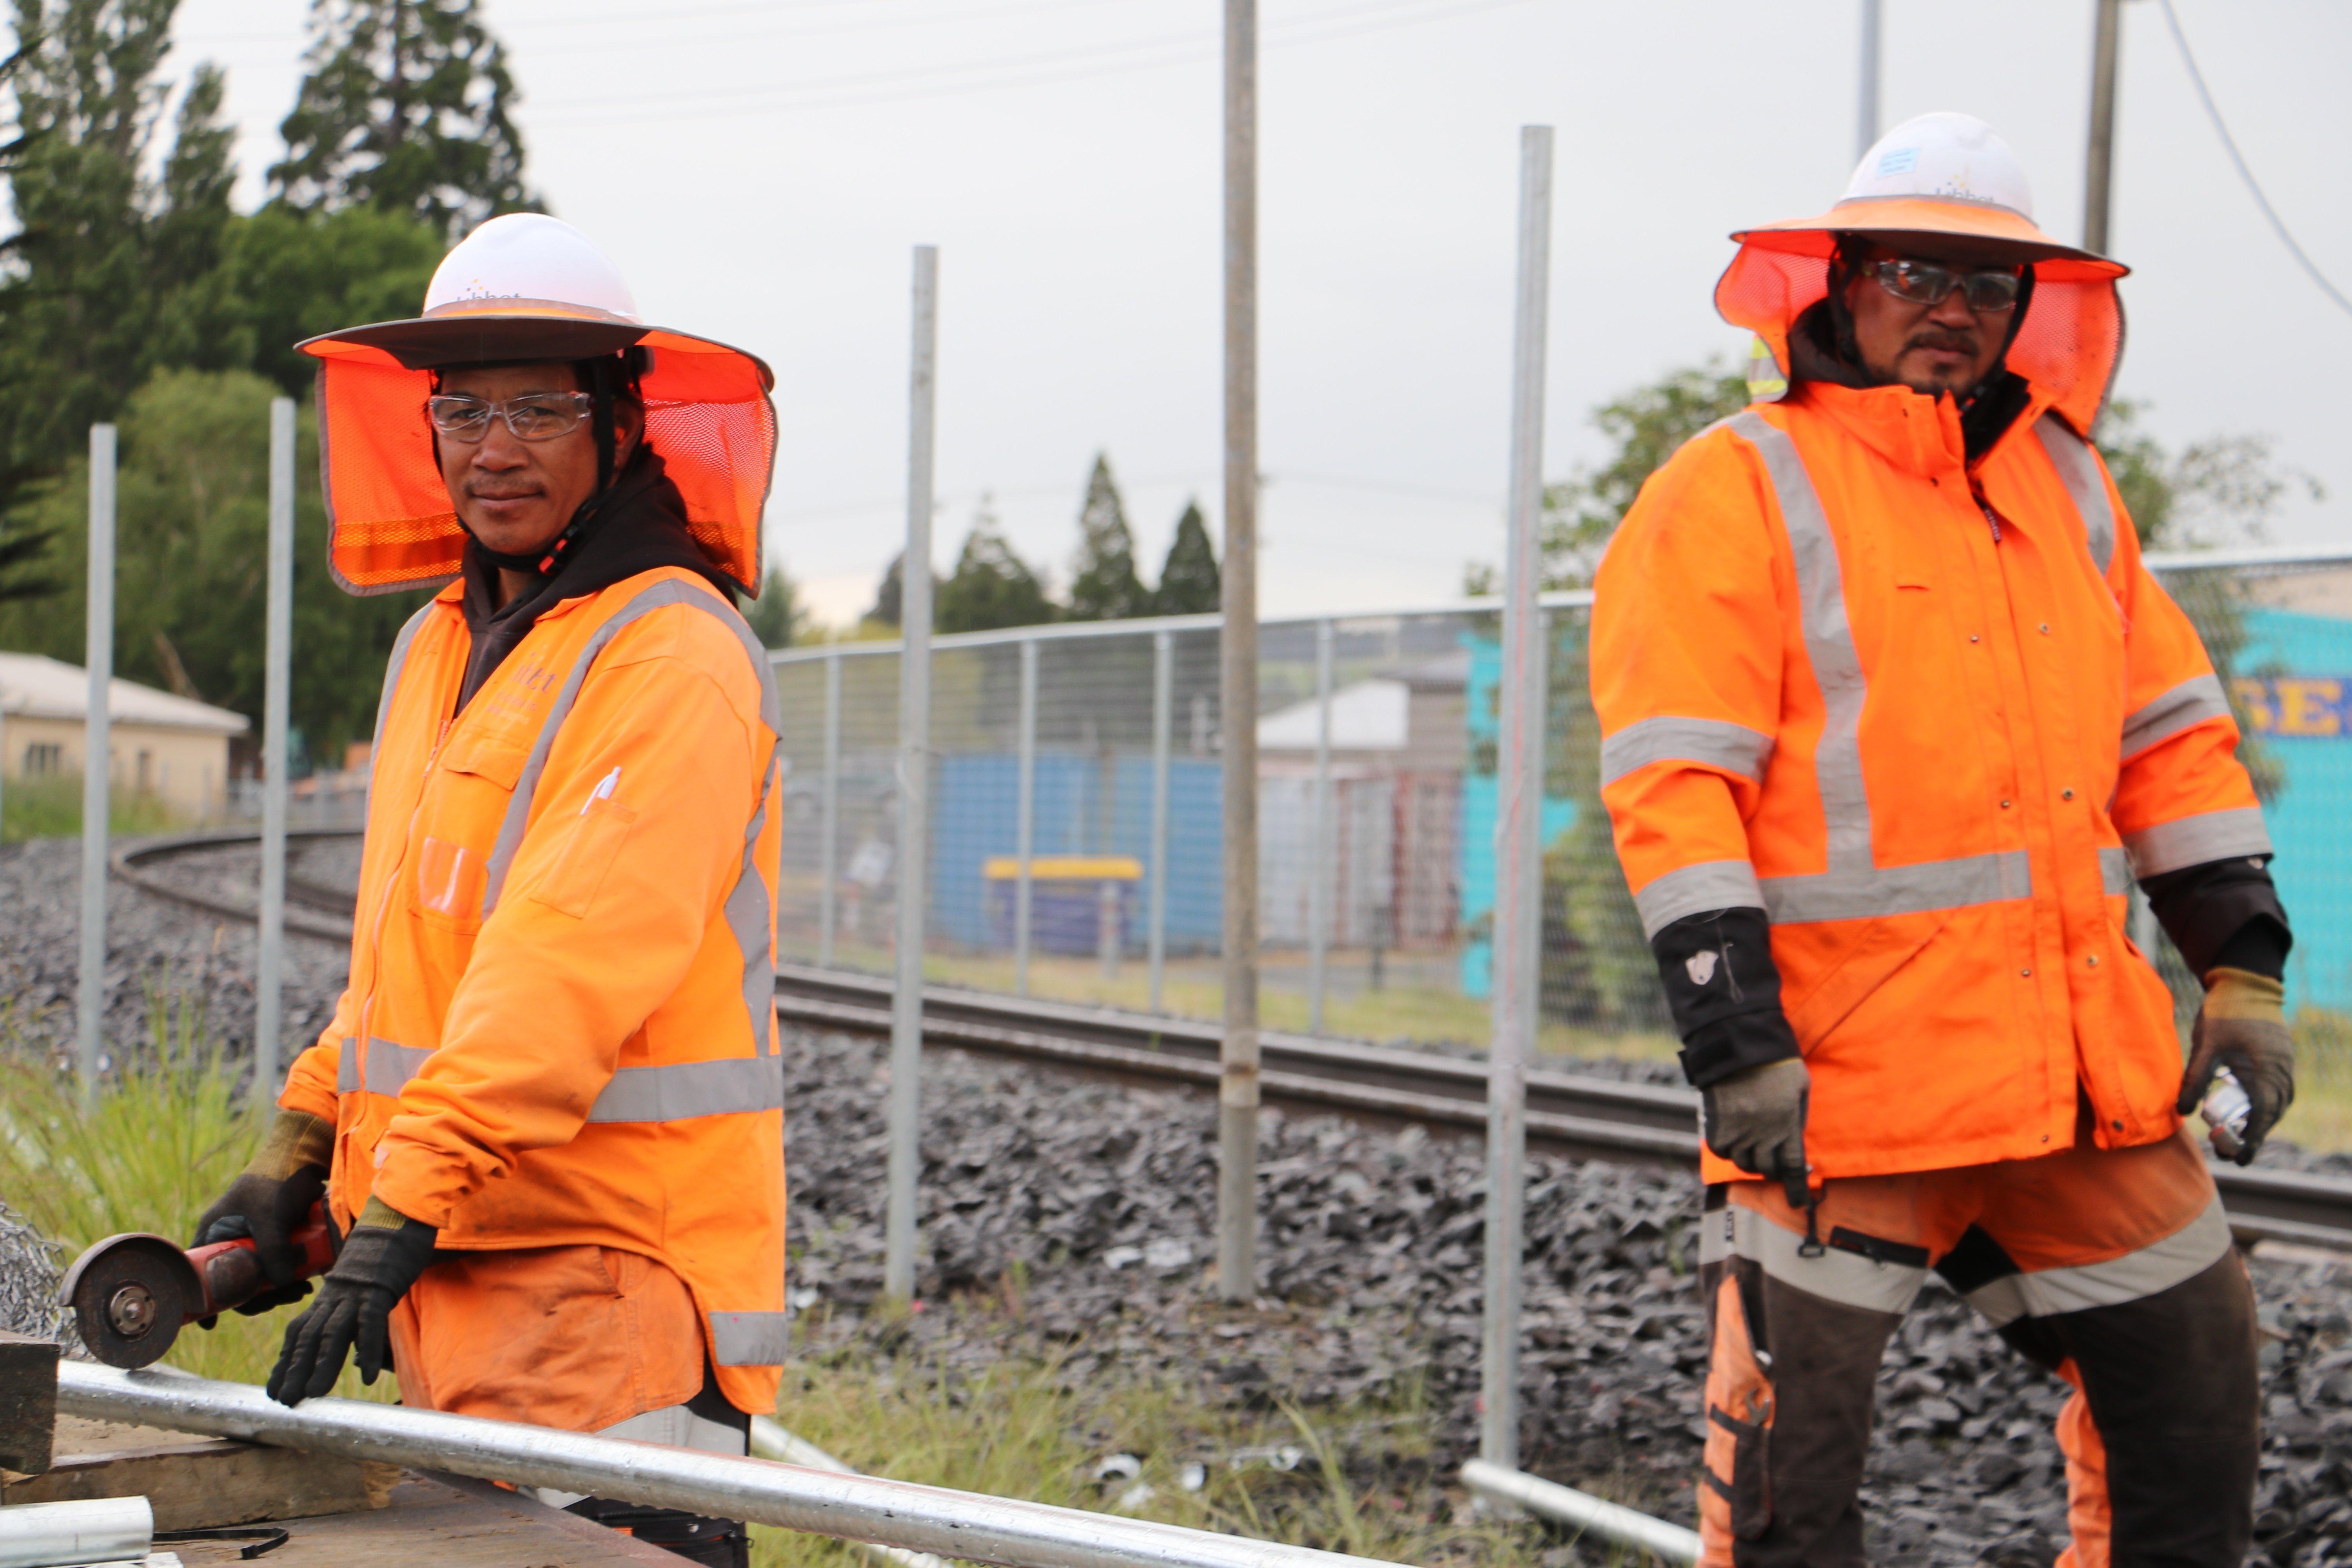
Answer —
1755 1120
380 1260
269 1201
2243 1027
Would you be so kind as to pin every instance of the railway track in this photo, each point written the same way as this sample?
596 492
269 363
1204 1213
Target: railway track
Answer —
1570 1114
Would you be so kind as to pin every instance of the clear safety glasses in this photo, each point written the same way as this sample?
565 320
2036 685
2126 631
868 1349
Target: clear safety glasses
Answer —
534 416
1930 283
1990 290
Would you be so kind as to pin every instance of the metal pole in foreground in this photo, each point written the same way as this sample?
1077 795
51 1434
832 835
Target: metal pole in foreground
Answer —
829 820
1519 851
2107 42
1163 704
905 1107
1319 885
965 1526
277 675
97 757
1024 805
1237 1055
1865 125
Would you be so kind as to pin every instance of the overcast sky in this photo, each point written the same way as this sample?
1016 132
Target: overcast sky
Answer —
761 172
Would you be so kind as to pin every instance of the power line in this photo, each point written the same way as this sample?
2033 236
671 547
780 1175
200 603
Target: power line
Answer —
2229 143
1035 70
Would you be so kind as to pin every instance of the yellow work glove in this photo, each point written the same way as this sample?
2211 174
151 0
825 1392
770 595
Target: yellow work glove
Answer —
2243 1027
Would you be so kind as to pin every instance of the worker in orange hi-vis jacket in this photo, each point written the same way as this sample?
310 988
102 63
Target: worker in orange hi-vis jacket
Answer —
547 1115
1893 716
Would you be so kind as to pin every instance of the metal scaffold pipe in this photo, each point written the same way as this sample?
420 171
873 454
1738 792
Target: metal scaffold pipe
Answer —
1237 1082
97 759
905 1107
963 1525
1518 846
278 654
1612 1523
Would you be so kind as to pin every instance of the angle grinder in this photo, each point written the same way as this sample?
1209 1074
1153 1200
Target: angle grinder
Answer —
132 1294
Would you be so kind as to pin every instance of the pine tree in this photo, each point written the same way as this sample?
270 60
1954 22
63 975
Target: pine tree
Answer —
777 616
992 586
406 108
1103 583
1189 581
116 233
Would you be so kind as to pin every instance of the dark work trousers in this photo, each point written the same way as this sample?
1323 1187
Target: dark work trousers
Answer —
2113 1269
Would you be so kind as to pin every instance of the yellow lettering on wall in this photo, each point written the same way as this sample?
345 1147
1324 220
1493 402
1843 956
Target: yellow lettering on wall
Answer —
2307 707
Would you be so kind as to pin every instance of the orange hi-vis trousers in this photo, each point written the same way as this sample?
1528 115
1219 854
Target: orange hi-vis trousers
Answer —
2111 1268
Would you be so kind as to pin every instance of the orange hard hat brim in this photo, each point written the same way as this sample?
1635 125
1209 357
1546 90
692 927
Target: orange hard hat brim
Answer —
1997 231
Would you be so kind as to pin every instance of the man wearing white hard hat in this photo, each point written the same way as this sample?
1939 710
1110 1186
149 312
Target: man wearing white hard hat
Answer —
547 1115
1893 716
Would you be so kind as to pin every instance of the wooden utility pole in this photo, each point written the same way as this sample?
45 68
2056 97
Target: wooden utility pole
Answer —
1237 1082
2107 42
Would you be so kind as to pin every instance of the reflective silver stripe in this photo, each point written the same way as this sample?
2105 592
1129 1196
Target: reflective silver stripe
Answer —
2137 1275
1695 889
679 1092
659 595
1710 743
1828 642
2194 840
2078 471
2115 872
392 669
2190 703
750 1339
1898 890
1846 1278
387 1070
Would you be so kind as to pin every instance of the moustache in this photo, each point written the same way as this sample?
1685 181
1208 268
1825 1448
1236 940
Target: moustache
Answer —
1946 339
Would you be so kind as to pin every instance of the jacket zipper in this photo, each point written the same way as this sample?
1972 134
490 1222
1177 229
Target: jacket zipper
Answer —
1992 519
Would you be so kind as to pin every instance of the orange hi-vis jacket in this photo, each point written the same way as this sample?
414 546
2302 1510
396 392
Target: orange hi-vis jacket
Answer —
559 1026
1931 720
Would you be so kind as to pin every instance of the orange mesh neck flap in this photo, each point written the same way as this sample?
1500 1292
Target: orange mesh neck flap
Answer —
2068 346
391 526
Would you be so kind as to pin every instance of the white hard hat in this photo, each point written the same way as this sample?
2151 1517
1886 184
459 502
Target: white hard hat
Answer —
1942 157
530 256
518 288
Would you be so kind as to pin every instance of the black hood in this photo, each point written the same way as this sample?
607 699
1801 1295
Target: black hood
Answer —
637 525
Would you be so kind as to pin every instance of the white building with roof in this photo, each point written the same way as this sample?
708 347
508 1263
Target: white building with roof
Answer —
173 749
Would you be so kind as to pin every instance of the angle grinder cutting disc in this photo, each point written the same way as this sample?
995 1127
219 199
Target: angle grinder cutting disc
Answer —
132 1294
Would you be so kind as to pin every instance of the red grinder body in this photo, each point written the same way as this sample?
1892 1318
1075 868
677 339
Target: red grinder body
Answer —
132 1294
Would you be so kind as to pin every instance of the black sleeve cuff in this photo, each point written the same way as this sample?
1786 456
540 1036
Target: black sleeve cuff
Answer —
2223 912
1724 991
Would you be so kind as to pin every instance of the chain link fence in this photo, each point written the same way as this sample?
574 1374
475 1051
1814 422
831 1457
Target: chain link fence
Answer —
1089 757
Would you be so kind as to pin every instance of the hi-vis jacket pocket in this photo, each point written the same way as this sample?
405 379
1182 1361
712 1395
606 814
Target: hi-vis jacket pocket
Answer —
591 846
449 883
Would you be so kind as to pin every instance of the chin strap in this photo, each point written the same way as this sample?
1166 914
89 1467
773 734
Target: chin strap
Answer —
548 559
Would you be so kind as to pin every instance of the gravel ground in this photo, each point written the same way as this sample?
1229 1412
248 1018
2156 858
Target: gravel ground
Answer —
157 952
1100 1198
1104 1195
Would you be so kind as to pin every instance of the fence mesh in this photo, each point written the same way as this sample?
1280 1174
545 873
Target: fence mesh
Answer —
1376 815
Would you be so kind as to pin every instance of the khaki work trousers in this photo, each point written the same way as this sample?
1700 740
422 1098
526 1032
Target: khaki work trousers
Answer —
2114 1269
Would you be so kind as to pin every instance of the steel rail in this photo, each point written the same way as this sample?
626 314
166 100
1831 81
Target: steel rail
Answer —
130 862
963 1525
1568 1114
